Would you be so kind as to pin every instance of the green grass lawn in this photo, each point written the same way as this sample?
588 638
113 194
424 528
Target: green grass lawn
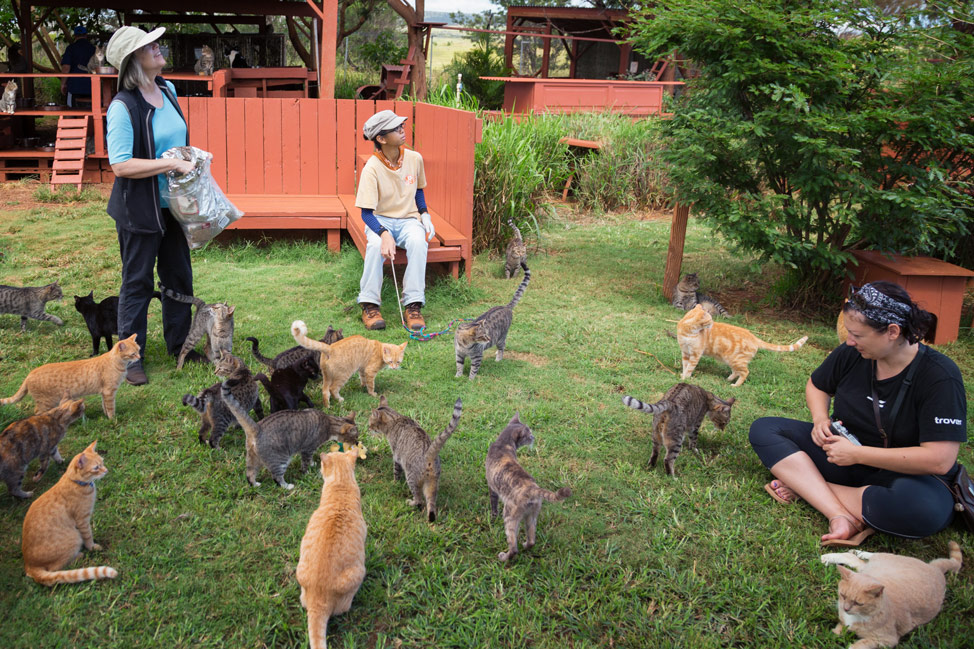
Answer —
633 559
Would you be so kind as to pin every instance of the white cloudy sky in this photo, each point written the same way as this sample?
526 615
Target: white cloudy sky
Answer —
465 6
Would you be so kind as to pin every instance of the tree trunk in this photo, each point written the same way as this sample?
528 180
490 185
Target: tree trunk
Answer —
297 41
414 33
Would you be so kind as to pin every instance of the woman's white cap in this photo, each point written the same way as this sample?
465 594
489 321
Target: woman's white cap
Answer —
125 42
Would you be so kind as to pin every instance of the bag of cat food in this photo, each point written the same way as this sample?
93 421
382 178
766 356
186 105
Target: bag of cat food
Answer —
195 200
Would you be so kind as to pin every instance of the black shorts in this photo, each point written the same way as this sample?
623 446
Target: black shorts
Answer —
911 506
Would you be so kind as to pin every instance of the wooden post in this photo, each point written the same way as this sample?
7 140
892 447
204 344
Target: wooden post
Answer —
674 255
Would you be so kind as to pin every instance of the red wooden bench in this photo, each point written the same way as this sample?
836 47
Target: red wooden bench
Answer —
291 164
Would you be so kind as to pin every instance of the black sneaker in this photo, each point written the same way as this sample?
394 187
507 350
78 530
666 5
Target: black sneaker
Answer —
136 374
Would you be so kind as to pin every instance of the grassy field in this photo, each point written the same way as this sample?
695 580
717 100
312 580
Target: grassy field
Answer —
633 559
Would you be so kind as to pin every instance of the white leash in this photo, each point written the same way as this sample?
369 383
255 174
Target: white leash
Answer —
402 319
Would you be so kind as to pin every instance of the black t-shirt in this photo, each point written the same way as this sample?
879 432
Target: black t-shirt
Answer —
934 407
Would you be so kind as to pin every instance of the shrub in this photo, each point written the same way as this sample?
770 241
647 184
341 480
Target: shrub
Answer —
484 60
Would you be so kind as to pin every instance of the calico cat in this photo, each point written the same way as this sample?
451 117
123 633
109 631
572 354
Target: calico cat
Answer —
283 434
679 414
101 318
685 296
285 387
296 354
97 60
8 101
58 524
509 482
890 595
331 566
699 335
35 437
204 64
29 301
49 384
517 253
489 328
213 320
347 356
413 454
215 417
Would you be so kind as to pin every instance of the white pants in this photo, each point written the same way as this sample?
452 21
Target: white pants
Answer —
409 235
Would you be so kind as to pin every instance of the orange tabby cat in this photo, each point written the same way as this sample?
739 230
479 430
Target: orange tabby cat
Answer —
347 356
699 335
332 563
58 525
50 383
890 595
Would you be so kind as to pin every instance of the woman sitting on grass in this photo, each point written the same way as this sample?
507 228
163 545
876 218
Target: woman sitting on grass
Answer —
906 404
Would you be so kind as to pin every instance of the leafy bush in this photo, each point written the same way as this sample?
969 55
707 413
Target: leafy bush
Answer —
348 81
484 60
820 127
386 47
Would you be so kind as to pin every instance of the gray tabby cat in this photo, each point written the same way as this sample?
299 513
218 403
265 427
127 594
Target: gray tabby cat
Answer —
413 454
215 417
511 484
8 100
685 296
489 328
517 253
679 413
35 437
295 355
215 321
286 433
29 301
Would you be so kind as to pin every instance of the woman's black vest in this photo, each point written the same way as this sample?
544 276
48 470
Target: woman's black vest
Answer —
135 202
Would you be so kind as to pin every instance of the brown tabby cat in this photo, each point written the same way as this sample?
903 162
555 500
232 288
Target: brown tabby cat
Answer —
890 595
331 566
215 321
8 100
413 454
516 254
699 336
686 296
58 524
515 487
36 436
215 417
679 412
347 356
50 383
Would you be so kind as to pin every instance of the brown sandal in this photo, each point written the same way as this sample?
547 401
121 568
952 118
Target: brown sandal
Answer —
772 489
853 541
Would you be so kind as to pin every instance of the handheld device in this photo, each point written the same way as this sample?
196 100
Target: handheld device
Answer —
839 429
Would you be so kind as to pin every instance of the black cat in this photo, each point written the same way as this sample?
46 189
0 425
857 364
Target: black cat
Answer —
285 387
101 318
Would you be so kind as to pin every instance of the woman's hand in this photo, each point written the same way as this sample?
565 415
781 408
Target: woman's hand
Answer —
820 431
181 166
840 451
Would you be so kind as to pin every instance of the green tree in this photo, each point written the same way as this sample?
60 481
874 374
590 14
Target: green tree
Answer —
801 144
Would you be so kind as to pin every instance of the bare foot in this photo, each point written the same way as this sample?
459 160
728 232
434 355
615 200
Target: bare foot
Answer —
842 526
784 491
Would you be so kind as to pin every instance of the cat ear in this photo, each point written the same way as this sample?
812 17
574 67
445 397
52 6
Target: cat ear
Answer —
875 591
730 402
351 416
845 572
383 402
403 346
230 310
516 419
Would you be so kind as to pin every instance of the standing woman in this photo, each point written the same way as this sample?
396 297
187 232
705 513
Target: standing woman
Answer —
903 401
144 120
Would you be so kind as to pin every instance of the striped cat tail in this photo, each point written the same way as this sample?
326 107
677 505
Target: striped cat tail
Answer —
952 564
300 332
318 629
179 297
48 578
194 402
256 352
21 393
519 293
243 417
434 450
553 496
783 348
517 232
652 408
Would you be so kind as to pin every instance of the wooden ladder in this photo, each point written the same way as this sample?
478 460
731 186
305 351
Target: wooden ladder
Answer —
69 151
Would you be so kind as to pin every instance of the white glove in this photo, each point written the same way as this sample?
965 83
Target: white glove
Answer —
428 226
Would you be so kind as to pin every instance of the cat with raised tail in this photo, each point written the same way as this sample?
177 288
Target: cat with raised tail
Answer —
516 254
508 482
678 415
331 566
700 336
58 525
343 358
414 456
489 328
215 321
889 595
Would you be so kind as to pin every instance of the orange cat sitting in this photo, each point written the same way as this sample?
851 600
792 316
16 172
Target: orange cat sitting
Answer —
103 375
58 524
332 562
699 335
347 356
